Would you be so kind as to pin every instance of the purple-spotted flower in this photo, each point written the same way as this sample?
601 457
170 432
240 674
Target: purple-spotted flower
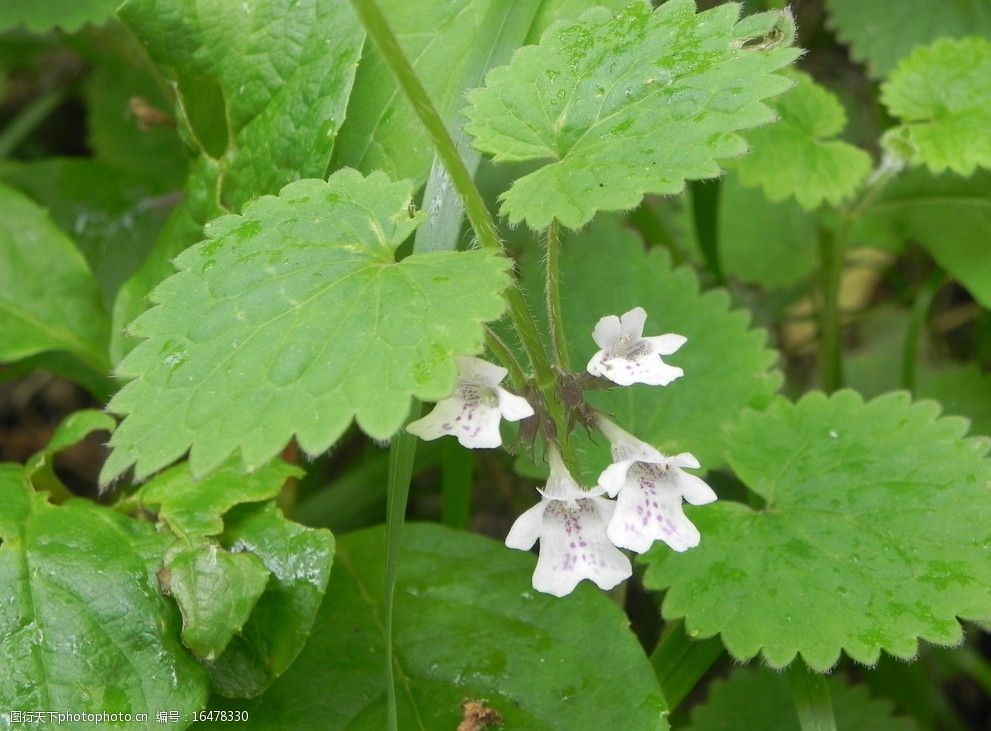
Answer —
571 526
650 487
626 357
472 413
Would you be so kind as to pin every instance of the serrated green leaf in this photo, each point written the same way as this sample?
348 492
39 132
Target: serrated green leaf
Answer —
760 242
194 508
606 271
216 591
82 623
799 156
69 15
294 318
948 215
875 534
754 698
627 105
521 656
942 94
266 123
444 41
111 216
299 560
48 297
880 32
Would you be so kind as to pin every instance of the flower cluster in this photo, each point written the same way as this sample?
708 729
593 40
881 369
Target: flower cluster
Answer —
638 498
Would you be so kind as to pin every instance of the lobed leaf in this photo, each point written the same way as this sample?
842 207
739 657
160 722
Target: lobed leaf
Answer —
294 318
756 698
874 535
620 106
880 33
942 93
449 44
41 17
194 508
799 155
541 663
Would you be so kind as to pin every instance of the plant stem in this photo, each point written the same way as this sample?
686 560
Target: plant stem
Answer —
402 451
555 318
505 356
478 215
28 119
831 255
455 484
705 211
811 695
680 662
916 324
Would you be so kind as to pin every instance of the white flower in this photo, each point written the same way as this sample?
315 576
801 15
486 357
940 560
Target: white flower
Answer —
473 411
650 488
626 357
571 526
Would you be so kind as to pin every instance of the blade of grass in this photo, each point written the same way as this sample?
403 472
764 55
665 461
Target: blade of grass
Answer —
811 696
680 662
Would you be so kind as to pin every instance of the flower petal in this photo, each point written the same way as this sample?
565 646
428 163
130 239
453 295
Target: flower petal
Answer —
684 460
693 489
625 446
665 344
573 546
471 414
649 509
645 368
526 529
613 477
513 407
607 331
633 322
596 364
480 372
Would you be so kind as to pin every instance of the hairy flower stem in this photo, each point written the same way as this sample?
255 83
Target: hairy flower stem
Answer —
478 215
505 356
555 318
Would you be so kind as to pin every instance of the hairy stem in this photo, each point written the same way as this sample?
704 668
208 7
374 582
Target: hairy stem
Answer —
505 356
478 215
555 318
